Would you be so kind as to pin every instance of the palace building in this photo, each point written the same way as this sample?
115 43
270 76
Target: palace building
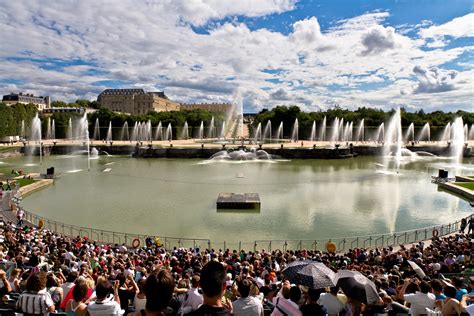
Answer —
14 98
137 101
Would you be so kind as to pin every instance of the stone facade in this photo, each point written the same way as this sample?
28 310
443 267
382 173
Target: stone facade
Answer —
14 98
135 101
211 107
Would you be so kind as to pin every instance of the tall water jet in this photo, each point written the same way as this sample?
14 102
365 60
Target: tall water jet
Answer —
279 133
96 134
169 132
148 131
222 132
466 132
322 133
410 133
360 132
124 132
201 131
294 132
159 132
211 129
425 133
312 136
238 105
185 132
48 128
470 135
23 130
267 132
134 136
380 133
335 130
457 143
53 129
446 136
83 135
36 135
109 132
393 140
69 130
347 131
258 133
341 129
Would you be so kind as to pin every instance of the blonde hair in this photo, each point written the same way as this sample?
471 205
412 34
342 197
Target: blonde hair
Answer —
16 272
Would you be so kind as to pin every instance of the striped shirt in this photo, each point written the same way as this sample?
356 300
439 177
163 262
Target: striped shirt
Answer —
35 303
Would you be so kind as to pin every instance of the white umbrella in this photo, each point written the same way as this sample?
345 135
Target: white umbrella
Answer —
419 271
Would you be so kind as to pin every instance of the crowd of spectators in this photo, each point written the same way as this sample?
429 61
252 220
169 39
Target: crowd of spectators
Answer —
44 272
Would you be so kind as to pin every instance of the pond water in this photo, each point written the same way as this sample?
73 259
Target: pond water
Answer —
301 199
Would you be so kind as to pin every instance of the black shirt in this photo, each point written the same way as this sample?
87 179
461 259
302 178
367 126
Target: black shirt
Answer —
206 310
313 310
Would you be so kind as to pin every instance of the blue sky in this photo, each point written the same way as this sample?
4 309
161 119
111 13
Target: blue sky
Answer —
315 54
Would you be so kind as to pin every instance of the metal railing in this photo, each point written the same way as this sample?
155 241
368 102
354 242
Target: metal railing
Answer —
341 243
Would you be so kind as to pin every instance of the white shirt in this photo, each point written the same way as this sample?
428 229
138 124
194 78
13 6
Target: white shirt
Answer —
104 308
249 306
331 302
194 299
419 301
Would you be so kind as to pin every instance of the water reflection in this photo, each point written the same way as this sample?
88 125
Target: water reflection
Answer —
303 199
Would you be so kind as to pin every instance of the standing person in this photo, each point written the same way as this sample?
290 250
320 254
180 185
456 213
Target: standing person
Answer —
213 285
36 300
330 301
159 289
421 300
311 307
194 299
470 230
462 226
77 305
246 305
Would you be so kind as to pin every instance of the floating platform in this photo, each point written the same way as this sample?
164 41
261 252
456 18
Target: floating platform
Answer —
238 201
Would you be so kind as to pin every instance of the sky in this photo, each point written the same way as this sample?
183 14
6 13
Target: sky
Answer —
263 53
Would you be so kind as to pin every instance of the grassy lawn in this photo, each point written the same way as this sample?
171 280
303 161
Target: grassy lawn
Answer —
467 185
22 182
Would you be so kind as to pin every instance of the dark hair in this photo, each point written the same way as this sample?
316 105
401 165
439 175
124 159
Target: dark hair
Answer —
121 278
412 288
103 289
213 276
314 294
457 282
51 281
36 282
244 287
80 290
425 287
334 290
71 277
159 289
295 294
437 285
450 291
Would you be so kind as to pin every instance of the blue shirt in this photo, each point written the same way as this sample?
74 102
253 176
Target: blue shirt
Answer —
460 293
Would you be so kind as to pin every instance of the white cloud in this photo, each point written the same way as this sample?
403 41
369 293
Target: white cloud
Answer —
152 44
434 80
378 40
458 27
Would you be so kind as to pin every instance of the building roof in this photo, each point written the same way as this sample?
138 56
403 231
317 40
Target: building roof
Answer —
22 97
122 92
